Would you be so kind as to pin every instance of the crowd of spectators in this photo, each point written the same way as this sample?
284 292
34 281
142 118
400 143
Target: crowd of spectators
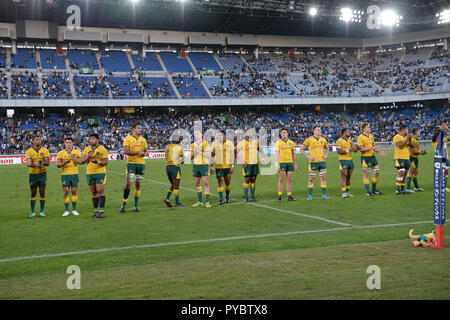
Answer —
25 85
57 85
16 133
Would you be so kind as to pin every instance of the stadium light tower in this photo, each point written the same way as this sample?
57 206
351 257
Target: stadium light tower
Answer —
389 18
313 11
350 15
443 16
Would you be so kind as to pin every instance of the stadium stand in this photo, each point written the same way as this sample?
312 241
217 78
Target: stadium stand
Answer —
310 73
124 87
51 60
149 63
83 59
204 61
2 58
158 87
91 87
56 85
114 129
3 86
175 64
115 61
24 59
189 87
25 86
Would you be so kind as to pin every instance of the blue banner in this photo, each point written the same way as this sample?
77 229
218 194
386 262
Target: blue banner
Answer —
440 159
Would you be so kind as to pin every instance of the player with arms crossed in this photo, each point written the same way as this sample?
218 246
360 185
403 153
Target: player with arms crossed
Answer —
401 157
344 148
135 147
247 154
223 154
96 156
285 163
367 147
414 153
69 159
201 153
37 159
318 153
174 159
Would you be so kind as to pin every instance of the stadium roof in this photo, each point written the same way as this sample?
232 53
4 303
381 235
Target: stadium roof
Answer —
281 17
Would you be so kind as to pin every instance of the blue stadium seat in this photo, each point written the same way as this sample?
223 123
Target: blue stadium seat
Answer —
204 61
149 63
51 60
83 59
175 64
24 59
115 61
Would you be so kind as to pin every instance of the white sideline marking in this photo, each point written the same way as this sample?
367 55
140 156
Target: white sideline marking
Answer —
156 245
271 208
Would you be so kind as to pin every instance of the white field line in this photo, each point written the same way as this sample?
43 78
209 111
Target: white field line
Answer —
178 243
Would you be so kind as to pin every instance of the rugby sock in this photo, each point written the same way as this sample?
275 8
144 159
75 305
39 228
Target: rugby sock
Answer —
408 182
310 189
207 197
33 204
74 202
374 184
398 186
344 189
220 190
137 195
246 190
227 190
416 182
445 181
252 189
280 195
324 189
176 192
366 185
42 202
101 203
95 203
66 203
402 186
200 194
126 194
348 188
289 194
169 193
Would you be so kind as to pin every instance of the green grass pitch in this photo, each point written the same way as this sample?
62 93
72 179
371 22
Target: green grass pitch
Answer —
298 250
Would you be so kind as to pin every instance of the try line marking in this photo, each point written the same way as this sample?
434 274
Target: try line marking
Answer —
164 244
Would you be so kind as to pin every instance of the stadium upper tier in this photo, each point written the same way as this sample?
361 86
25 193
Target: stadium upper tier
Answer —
205 75
16 133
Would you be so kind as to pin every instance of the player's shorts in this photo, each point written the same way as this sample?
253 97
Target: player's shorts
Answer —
38 179
402 163
222 172
200 170
136 168
317 166
173 172
251 170
346 165
69 180
287 167
98 178
369 162
414 162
